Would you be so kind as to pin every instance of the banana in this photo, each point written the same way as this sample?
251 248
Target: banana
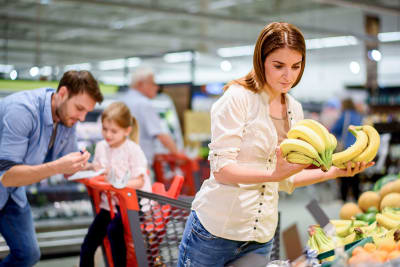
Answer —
342 231
307 134
391 215
324 135
386 222
333 142
340 158
297 157
349 238
296 145
373 144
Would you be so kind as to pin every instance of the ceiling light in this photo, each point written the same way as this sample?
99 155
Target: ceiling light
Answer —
178 57
34 71
236 51
389 36
374 55
45 71
113 64
134 62
80 66
337 41
226 65
13 75
354 67
6 68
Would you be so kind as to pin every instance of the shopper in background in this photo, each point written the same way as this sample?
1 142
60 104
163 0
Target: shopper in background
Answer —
349 116
37 140
236 210
143 88
121 156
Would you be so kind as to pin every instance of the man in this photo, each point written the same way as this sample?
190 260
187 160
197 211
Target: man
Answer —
37 140
143 88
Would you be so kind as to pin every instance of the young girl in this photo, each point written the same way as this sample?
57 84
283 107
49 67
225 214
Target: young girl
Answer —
236 210
120 155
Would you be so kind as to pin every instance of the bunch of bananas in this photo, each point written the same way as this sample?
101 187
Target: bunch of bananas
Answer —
309 142
389 218
364 148
319 241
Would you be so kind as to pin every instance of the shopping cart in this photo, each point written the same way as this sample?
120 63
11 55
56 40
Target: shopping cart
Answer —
131 209
166 166
153 223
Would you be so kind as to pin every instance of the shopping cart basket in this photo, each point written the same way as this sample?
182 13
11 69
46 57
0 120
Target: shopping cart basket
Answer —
166 166
130 208
155 225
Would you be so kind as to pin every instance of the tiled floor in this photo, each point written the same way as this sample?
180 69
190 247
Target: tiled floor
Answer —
292 209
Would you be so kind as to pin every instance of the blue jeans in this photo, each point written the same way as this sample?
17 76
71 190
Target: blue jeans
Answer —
16 226
103 225
200 248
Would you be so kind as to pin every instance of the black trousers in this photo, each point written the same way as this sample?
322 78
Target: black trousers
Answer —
347 184
102 226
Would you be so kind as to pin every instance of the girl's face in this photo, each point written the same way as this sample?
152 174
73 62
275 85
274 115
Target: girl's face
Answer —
113 133
282 67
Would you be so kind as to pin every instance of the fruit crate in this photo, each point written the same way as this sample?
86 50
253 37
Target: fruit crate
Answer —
348 249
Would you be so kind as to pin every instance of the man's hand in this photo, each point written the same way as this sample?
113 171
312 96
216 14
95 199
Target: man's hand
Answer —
285 169
72 163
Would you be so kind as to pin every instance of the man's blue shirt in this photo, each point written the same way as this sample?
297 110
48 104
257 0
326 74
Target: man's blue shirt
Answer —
26 125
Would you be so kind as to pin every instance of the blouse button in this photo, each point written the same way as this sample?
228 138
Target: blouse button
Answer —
255 228
256 220
263 186
259 211
289 112
262 193
261 204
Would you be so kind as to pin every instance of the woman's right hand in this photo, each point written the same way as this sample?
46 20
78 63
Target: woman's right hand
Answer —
285 169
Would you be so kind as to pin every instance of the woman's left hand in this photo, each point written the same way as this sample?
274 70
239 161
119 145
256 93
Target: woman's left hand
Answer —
350 171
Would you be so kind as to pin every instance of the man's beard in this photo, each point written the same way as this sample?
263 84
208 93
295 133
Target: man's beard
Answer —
60 112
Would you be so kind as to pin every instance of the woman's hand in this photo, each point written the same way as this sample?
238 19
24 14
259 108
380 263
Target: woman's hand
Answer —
336 172
285 169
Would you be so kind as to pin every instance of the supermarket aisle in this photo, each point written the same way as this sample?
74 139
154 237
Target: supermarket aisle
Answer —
292 208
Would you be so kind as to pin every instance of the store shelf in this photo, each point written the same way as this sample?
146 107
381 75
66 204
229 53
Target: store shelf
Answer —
57 238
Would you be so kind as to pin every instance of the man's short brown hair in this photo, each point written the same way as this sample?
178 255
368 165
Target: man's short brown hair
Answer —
82 81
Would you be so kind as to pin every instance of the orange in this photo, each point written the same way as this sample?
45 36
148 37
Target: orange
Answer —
393 255
359 250
370 247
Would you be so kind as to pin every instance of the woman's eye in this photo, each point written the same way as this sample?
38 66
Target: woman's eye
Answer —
278 67
296 67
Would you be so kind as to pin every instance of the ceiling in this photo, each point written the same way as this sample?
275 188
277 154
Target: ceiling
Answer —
62 32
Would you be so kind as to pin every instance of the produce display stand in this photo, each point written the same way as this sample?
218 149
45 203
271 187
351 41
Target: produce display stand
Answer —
168 163
153 222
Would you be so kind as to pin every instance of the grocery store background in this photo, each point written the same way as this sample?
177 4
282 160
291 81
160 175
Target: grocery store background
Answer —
194 47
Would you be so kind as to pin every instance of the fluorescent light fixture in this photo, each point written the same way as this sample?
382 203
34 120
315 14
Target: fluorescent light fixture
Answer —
134 62
236 51
179 57
389 36
337 41
6 68
45 71
225 65
13 75
80 66
354 67
374 55
34 71
113 64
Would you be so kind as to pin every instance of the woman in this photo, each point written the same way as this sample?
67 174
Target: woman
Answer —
236 210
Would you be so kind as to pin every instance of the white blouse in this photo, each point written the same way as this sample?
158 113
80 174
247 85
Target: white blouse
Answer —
128 156
242 132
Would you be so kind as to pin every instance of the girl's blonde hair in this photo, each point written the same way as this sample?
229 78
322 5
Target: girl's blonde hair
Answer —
120 114
274 36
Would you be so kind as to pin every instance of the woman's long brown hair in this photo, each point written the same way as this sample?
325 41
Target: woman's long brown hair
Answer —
274 36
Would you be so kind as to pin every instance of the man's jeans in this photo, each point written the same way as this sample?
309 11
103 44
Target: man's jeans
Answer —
16 226
200 248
